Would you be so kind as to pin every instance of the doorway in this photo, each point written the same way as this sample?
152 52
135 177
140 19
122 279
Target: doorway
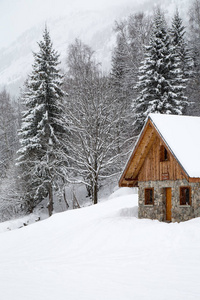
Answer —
168 193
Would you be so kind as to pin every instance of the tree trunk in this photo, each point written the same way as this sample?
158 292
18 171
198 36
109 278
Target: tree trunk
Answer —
95 181
50 204
95 192
65 199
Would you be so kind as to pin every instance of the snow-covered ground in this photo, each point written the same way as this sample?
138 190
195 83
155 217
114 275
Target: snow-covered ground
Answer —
101 252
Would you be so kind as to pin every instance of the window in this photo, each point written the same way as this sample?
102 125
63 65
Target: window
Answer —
149 196
185 196
164 155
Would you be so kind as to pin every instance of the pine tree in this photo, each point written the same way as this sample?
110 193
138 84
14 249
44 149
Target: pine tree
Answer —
177 34
120 91
160 84
43 133
119 69
194 40
132 34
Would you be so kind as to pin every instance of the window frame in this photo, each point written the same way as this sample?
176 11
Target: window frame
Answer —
164 154
146 202
181 196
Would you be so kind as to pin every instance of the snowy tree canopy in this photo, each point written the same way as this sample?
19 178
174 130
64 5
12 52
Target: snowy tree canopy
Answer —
43 132
177 34
160 83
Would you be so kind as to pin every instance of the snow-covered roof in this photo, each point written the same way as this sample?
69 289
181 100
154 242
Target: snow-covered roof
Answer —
182 136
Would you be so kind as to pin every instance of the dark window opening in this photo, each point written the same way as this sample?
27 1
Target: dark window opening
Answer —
149 197
164 155
185 196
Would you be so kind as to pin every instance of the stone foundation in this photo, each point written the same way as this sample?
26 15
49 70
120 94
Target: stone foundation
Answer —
158 209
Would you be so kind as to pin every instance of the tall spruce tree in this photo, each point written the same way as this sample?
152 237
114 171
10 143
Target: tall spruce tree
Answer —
194 40
178 40
43 133
120 91
161 84
132 35
119 69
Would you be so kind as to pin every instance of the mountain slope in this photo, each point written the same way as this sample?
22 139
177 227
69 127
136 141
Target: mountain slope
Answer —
93 27
101 252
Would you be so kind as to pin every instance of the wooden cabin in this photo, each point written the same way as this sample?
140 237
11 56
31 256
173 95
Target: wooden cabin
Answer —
165 166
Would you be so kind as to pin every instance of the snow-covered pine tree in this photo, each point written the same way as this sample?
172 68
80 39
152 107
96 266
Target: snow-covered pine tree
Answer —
43 134
177 34
194 41
118 80
132 34
119 69
160 84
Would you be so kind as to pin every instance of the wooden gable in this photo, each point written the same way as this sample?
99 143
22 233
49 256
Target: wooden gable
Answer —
147 161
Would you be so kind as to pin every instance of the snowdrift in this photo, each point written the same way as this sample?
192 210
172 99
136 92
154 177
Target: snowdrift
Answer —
101 252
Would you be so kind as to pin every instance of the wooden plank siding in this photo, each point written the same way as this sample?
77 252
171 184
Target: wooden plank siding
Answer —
129 176
145 165
153 169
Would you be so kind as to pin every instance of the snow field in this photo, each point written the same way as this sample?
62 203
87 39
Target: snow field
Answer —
101 252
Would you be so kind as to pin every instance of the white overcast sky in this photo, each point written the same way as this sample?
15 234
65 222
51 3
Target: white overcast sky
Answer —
16 16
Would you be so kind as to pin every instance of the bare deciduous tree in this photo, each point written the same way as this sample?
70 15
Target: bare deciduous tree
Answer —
93 114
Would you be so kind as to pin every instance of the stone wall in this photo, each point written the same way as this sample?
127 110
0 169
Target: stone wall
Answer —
158 209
